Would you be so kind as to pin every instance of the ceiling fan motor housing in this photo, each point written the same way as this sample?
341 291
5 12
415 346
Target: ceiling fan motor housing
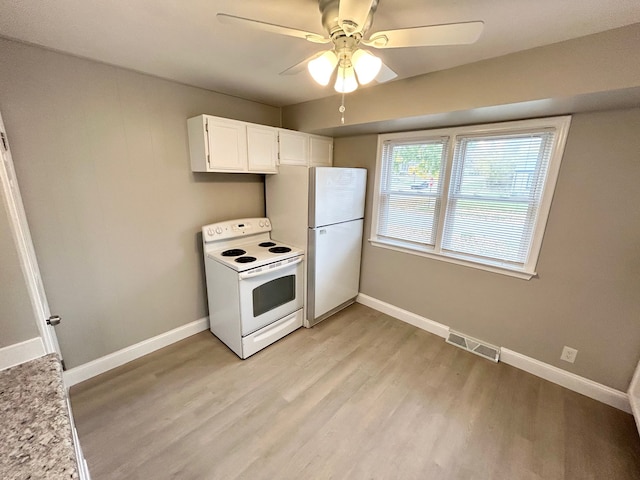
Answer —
330 10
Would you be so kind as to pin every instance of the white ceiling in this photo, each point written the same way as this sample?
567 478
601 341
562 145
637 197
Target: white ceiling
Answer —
183 41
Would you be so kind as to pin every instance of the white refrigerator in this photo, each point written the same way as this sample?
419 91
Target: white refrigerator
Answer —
321 210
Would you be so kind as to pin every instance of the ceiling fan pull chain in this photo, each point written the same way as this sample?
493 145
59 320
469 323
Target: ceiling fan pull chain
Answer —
342 108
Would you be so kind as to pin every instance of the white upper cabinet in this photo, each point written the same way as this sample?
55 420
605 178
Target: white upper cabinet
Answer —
294 147
262 148
320 151
223 145
297 148
227 141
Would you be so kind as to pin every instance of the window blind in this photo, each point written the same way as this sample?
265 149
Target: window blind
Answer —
495 192
411 190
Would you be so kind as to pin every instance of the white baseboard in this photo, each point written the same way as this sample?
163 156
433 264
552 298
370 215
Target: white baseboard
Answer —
634 396
576 383
404 315
589 388
21 352
91 369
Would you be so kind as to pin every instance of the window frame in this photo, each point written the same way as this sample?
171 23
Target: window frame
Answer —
560 125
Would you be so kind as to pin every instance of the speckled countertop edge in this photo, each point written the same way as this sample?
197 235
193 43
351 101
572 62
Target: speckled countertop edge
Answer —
35 428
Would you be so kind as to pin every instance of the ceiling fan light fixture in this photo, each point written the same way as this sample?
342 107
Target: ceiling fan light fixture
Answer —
322 68
346 79
367 66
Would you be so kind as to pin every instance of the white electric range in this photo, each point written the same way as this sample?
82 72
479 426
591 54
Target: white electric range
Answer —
254 284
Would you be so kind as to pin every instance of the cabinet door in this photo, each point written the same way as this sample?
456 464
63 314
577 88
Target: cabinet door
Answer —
227 145
294 148
320 151
262 149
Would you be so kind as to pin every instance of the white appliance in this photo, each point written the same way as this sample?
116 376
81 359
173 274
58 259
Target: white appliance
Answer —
321 210
254 285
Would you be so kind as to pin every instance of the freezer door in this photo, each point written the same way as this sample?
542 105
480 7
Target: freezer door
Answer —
334 267
336 195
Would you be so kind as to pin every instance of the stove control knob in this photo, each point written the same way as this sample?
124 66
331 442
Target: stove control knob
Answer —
210 231
219 230
266 223
261 223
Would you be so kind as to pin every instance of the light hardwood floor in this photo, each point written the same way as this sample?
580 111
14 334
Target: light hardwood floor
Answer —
359 396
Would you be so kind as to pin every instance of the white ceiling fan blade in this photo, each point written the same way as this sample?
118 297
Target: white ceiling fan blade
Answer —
427 36
300 66
385 74
352 15
270 27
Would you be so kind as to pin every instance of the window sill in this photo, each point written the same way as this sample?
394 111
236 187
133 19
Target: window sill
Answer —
401 247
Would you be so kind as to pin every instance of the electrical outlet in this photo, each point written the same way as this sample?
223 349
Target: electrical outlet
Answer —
569 354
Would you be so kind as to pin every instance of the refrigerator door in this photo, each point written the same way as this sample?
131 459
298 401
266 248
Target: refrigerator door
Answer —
333 276
336 195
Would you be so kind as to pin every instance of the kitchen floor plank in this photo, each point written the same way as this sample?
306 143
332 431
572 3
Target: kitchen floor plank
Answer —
359 396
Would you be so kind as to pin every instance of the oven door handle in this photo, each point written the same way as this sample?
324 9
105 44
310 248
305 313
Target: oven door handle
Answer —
252 274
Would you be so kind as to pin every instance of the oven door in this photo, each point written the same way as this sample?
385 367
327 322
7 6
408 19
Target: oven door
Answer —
269 294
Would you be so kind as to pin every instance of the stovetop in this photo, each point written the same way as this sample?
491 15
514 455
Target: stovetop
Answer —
245 256
245 244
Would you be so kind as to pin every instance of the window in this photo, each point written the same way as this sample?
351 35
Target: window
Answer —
478 196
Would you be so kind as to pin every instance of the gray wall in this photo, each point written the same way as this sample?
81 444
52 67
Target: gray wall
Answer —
16 315
101 155
587 293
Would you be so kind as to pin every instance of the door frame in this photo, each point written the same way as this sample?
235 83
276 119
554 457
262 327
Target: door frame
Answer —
24 245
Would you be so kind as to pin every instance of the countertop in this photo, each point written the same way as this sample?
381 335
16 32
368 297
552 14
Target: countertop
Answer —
36 440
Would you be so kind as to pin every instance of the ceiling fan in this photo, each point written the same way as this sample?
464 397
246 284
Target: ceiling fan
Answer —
347 24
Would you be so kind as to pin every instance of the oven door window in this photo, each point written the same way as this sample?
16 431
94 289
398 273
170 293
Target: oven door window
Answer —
272 294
